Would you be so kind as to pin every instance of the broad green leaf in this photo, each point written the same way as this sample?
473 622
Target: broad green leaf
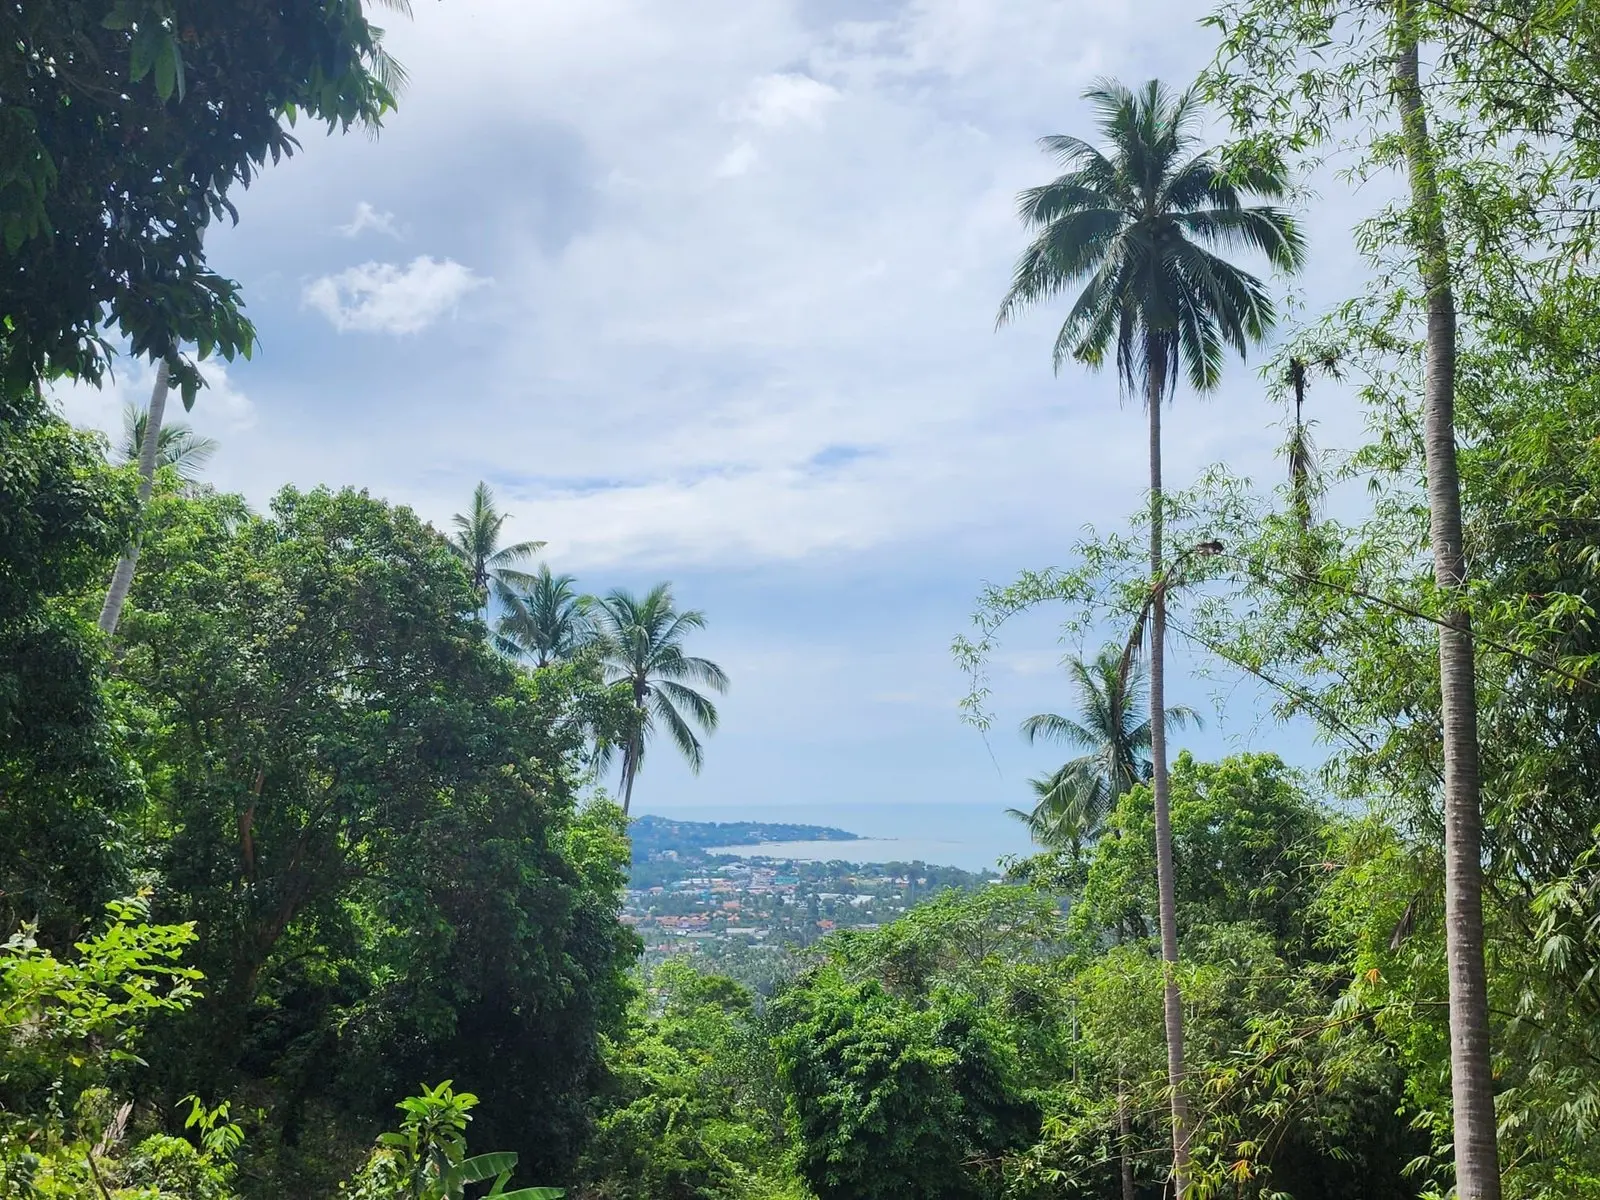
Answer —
484 1166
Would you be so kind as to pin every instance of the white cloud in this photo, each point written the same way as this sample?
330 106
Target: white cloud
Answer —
367 218
776 100
737 161
385 298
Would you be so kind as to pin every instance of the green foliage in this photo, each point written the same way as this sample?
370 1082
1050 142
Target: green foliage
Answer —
476 542
65 1021
119 154
427 1158
1249 848
1139 223
371 818
64 780
546 620
895 1099
69 1026
691 1106
1113 733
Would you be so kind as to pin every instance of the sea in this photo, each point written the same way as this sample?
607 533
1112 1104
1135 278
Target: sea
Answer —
971 837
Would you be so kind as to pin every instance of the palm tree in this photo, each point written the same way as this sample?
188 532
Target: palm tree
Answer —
548 622
177 445
1304 477
1063 815
1113 733
476 542
642 643
1141 225
1475 1141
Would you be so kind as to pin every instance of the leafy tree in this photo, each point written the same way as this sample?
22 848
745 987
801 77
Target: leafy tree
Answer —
128 146
64 778
691 1106
547 621
1249 842
892 1100
476 542
65 1021
1137 224
1495 142
369 814
1114 735
642 640
71 1024
123 151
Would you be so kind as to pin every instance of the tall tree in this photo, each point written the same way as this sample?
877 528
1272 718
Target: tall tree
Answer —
476 542
1141 223
1304 478
548 621
1471 1071
148 459
177 445
643 647
121 153
1114 735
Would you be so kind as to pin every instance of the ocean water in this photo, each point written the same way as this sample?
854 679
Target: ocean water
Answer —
971 837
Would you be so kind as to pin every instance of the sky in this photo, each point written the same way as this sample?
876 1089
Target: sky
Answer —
706 292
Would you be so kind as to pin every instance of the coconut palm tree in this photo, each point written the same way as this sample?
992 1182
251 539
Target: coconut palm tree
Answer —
476 542
1062 816
642 646
177 445
547 622
1113 733
1142 226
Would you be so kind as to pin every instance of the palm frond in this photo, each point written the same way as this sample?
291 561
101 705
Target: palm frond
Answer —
1052 727
178 446
702 710
687 743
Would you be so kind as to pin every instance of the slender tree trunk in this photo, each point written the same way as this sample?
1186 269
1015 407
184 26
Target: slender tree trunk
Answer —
1471 1068
630 768
1125 1145
1172 1002
122 577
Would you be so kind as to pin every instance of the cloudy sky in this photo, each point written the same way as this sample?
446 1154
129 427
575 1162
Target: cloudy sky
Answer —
705 290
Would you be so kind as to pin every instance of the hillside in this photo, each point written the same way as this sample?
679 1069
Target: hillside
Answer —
652 834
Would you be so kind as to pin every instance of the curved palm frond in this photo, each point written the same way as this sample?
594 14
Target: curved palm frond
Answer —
177 445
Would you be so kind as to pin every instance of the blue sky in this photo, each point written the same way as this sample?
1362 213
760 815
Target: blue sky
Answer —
706 291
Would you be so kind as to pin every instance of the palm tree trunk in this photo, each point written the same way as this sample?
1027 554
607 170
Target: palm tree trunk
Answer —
122 577
630 768
1172 1002
1471 1068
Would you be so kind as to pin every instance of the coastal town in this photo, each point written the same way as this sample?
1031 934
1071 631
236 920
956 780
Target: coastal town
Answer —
685 894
